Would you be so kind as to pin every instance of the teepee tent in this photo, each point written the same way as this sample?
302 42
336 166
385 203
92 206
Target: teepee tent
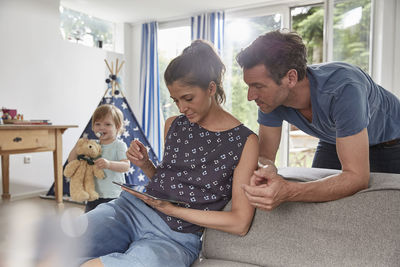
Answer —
132 130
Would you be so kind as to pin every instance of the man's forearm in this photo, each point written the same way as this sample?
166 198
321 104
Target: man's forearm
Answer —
330 188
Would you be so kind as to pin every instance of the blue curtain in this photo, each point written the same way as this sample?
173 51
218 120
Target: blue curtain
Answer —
210 27
152 121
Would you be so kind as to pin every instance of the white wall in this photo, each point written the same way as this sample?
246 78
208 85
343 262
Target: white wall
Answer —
45 77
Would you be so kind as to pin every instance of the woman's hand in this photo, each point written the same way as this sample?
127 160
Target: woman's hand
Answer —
137 154
160 205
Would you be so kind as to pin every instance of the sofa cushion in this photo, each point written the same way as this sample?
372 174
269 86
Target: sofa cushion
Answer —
359 230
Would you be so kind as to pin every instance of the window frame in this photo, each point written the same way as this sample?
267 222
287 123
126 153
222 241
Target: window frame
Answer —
384 46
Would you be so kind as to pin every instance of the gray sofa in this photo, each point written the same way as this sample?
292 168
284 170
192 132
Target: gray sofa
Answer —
360 230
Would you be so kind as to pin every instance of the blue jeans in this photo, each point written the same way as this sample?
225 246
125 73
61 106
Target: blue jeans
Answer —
127 232
382 157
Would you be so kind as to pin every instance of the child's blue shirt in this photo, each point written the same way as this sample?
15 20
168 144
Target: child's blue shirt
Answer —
116 151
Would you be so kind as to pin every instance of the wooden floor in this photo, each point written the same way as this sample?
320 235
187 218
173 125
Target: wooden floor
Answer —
32 225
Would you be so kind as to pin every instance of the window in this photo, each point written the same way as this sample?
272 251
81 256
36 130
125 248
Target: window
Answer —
351 43
351 32
239 33
308 22
87 30
348 40
171 42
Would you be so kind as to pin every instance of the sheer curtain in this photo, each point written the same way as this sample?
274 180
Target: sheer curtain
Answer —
152 121
210 27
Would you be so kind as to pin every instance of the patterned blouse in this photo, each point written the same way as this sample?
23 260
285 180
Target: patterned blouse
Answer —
197 168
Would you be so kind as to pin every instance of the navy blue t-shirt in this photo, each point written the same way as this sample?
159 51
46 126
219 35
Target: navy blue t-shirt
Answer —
344 100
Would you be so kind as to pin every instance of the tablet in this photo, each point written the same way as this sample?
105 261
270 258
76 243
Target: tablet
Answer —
150 196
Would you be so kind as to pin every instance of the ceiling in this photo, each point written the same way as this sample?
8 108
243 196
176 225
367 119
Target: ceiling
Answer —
138 11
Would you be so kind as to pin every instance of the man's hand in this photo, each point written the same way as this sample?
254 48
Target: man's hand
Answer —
267 188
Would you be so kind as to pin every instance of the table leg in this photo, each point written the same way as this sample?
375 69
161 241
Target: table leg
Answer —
5 172
58 177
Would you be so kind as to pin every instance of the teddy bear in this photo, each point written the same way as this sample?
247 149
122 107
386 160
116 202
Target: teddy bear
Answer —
82 170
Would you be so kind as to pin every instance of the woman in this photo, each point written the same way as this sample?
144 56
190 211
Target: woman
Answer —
208 155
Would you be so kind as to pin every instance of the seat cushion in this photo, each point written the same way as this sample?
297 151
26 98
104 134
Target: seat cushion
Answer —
359 230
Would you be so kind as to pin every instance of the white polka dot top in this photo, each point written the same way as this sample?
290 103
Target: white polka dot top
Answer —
197 168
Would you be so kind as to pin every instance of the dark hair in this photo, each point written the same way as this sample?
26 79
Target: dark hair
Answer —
279 51
198 65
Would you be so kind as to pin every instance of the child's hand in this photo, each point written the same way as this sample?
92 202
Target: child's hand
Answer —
102 163
137 154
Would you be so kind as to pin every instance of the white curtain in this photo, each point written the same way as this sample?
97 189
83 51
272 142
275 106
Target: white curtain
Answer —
152 121
210 27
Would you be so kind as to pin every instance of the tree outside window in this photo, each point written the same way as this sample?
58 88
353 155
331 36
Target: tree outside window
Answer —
351 32
308 22
87 30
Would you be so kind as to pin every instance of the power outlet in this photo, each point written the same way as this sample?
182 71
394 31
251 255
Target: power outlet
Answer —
27 159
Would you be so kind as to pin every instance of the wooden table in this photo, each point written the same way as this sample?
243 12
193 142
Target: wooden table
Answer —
17 139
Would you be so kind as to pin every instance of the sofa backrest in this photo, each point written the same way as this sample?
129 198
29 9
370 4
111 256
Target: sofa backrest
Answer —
360 230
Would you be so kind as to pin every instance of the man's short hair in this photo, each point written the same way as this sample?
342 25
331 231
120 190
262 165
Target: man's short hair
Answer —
279 51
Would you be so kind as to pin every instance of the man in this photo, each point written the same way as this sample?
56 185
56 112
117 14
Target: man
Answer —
356 120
